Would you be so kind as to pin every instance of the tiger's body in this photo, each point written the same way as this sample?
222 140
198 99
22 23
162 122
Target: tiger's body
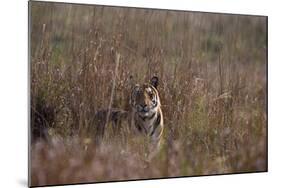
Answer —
144 119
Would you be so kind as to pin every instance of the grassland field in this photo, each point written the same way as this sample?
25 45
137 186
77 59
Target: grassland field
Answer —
213 89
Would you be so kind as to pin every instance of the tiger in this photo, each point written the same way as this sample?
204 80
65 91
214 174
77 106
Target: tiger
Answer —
146 113
145 117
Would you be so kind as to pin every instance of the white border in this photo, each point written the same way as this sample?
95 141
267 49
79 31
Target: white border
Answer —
13 84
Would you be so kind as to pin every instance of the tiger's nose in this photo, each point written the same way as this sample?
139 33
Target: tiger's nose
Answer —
144 108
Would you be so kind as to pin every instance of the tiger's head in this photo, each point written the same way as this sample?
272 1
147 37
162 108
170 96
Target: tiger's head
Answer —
145 100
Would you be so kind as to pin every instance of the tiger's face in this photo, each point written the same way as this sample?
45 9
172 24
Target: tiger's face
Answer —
145 99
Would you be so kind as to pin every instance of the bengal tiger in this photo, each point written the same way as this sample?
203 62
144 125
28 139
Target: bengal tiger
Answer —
145 118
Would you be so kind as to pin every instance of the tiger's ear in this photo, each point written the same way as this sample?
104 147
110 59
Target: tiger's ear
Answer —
154 81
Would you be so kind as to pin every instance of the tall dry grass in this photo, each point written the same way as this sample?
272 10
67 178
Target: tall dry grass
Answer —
213 89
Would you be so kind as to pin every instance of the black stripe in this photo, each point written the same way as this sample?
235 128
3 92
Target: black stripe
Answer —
147 118
140 126
156 124
152 116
